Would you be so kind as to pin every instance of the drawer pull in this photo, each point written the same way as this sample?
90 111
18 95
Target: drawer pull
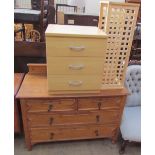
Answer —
99 105
97 118
50 121
95 20
76 66
96 132
75 83
51 135
50 108
77 48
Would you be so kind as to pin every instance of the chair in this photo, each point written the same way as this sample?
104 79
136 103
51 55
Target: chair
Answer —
131 120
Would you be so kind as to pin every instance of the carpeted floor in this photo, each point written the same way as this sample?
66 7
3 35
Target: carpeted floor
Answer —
86 147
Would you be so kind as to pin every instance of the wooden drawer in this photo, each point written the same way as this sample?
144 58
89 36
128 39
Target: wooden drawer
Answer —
71 46
74 82
99 103
51 105
75 65
57 134
42 120
110 102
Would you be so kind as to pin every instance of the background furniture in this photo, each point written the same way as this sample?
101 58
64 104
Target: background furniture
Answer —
82 19
37 16
32 52
131 119
48 118
18 78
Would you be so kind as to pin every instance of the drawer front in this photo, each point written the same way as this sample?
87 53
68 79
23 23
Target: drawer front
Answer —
73 82
56 134
41 120
63 46
75 65
99 103
51 105
110 102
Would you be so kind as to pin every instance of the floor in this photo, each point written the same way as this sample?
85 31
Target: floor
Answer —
86 147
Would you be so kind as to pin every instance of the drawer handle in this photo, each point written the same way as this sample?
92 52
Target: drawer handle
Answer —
95 20
51 135
75 83
50 108
97 118
77 48
76 66
96 132
50 121
99 105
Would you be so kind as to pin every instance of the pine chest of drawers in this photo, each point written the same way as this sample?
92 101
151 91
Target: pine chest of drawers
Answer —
48 118
75 58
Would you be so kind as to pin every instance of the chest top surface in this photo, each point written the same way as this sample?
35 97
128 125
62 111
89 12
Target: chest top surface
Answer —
74 31
34 85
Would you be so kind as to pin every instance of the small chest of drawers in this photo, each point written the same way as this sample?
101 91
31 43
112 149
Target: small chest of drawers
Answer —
48 118
75 58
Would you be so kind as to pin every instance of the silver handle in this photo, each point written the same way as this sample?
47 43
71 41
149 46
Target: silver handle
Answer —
75 83
76 66
77 48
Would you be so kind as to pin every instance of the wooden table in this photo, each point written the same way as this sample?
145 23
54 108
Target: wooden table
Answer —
48 118
18 77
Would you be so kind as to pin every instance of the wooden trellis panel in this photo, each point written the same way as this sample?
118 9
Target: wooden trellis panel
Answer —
118 20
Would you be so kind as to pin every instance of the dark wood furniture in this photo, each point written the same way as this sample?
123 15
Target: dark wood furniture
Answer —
48 118
36 16
18 77
80 19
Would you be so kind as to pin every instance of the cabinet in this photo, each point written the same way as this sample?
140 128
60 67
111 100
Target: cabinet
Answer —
48 118
75 58
18 77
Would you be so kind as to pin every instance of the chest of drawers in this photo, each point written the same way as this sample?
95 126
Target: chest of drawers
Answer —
75 58
48 118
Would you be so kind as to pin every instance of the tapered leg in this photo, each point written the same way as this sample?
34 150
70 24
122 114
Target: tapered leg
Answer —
123 146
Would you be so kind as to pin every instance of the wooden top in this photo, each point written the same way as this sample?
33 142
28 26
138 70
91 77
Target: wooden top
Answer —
18 77
74 31
35 86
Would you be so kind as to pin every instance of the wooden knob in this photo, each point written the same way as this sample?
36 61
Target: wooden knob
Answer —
96 132
51 135
50 121
97 118
50 108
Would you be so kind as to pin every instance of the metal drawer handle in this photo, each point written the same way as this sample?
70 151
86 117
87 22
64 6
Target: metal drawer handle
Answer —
96 132
77 48
50 108
50 121
51 135
75 83
95 20
97 118
99 105
76 66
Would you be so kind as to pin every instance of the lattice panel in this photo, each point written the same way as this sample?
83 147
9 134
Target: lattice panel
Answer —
118 20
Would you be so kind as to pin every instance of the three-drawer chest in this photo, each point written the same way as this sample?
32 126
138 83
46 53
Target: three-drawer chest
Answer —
75 58
49 118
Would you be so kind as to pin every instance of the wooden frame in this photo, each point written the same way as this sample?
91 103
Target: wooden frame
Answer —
118 20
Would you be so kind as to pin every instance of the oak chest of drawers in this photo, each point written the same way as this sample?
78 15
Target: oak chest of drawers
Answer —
75 58
48 118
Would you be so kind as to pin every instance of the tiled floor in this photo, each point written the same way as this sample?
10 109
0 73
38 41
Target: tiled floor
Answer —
86 147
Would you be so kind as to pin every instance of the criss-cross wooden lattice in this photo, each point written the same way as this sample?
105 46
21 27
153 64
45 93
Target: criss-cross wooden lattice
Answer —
118 20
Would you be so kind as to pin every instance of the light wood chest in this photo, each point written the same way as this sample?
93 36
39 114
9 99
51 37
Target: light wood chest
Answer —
75 58
48 118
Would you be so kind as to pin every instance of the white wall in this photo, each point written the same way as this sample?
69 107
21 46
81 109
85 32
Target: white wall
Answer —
93 6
